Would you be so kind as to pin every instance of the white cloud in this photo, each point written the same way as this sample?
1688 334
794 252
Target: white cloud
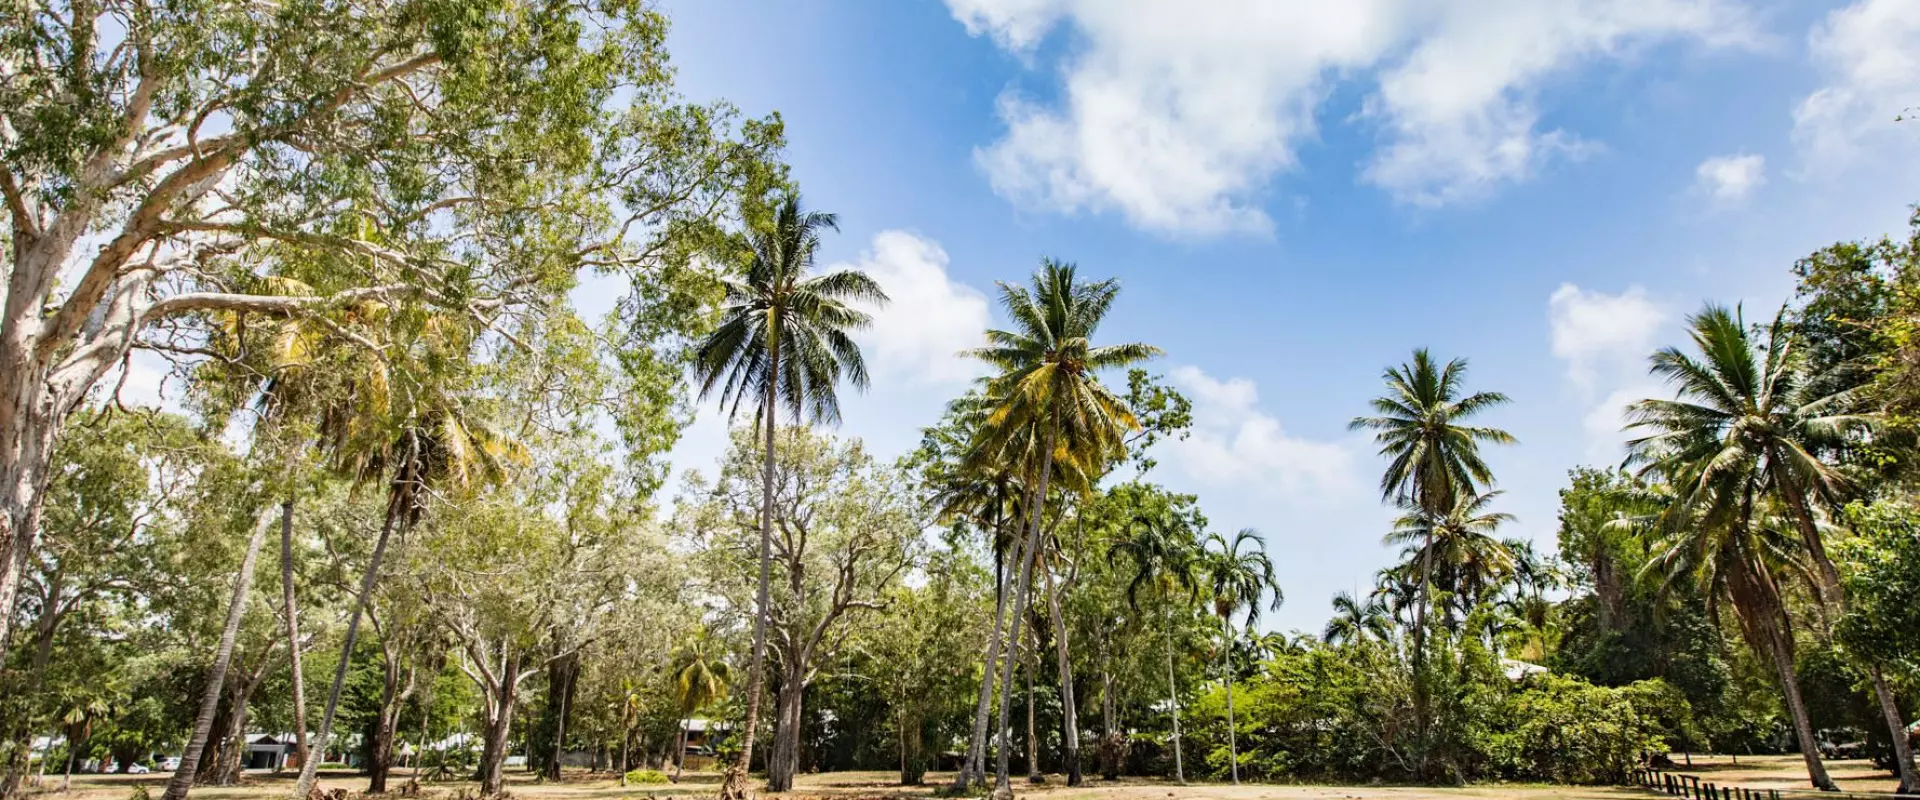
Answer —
1461 109
1729 179
1592 329
1869 53
1606 423
1179 115
918 336
1235 444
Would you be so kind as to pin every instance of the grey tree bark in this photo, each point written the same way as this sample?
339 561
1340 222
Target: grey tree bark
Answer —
182 780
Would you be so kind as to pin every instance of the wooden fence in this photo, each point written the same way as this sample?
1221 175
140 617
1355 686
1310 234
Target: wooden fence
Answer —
1691 787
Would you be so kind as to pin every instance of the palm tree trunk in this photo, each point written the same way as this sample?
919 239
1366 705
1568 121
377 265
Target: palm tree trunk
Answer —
182 779
1036 511
1797 707
680 763
1902 747
1836 594
1034 775
309 769
1068 704
1173 703
1420 698
1233 747
973 768
291 609
734 786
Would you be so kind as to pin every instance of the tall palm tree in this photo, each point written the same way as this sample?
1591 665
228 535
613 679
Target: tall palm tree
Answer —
701 678
1432 458
1239 573
784 341
1747 407
1716 543
1049 396
1163 551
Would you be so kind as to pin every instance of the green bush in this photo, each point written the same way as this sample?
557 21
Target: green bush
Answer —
1565 730
645 776
1345 714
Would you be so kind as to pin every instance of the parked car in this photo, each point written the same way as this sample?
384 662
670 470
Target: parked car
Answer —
170 763
137 769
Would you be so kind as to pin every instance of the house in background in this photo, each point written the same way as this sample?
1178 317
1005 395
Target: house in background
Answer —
266 751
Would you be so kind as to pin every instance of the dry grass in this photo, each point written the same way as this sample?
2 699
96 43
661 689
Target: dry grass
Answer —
1763 772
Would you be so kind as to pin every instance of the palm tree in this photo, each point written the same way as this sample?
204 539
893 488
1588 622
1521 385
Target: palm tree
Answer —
1459 545
783 342
182 780
1752 408
700 678
1238 572
411 425
1354 621
1711 543
1048 382
1163 552
1432 458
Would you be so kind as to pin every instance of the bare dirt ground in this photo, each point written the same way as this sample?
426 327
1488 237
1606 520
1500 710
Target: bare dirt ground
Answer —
1784 773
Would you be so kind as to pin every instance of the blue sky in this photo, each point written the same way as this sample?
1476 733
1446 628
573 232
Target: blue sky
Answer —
1295 195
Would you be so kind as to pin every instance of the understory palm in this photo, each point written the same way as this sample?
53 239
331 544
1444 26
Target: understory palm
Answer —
1238 573
783 342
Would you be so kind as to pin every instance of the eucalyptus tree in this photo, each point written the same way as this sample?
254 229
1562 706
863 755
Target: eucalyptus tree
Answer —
847 533
1238 574
122 484
783 342
544 568
1048 392
1433 457
468 156
1752 407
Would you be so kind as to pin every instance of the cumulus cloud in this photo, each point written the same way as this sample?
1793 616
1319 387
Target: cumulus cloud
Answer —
1606 423
1593 329
1179 115
1730 179
1235 444
1869 55
918 336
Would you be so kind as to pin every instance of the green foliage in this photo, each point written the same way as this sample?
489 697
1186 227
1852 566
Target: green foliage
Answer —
1563 730
645 777
1882 569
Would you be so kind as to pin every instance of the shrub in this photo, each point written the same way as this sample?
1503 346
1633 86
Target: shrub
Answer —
645 776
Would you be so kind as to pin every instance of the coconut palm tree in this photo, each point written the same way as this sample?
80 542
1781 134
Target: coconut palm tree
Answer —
1238 573
1718 544
411 425
783 342
1354 621
701 678
1432 458
1051 406
1458 547
1751 408
1164 553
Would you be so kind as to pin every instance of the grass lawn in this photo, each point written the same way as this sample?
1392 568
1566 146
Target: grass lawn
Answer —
1757 772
